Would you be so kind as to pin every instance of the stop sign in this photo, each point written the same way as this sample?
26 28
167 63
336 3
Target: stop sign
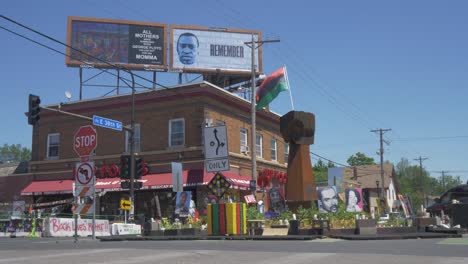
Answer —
85 141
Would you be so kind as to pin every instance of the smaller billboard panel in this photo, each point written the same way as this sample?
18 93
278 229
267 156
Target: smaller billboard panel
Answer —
106 42
335 177
327 199
203 49
353 199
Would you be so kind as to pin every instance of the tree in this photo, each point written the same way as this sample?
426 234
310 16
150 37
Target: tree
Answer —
15 152
320 171
359 159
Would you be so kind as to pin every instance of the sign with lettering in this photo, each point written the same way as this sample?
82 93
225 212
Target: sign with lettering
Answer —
65 227
204 49
216 149
109 43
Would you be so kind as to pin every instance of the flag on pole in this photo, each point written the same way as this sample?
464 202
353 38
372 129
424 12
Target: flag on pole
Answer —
271 87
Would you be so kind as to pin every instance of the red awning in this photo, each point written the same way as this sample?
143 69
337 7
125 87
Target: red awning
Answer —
48 187
150 181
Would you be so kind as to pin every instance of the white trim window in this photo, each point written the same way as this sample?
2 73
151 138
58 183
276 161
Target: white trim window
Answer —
243 140
53 146
176 132
273 149
286 152
258 145
137 139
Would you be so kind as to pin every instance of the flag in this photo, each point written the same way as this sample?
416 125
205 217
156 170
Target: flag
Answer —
271 87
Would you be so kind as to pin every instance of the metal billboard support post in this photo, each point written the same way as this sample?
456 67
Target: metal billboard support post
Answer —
132 152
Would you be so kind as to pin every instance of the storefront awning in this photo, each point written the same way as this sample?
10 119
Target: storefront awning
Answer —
191 178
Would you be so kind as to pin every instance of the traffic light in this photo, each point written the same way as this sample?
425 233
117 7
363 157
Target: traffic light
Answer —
138 167
125 166
34 109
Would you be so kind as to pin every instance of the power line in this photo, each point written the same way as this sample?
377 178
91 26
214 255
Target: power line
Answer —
120 67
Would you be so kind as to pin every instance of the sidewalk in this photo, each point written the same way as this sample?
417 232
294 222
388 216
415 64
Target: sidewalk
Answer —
288 237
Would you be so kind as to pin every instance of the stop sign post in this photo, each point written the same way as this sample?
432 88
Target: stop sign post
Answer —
85 141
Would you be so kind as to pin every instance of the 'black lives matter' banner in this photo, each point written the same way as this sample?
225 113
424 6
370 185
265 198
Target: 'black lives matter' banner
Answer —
103 43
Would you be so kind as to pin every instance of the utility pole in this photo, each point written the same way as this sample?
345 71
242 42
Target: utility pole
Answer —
253 141
381 152
421 179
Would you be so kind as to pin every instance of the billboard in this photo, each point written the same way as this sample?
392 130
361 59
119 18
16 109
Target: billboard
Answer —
205 50
327 199
353 199
130 44
335 177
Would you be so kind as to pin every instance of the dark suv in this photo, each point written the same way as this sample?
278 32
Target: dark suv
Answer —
459 193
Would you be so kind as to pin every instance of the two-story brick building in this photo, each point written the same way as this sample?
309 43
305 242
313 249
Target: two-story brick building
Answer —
169 128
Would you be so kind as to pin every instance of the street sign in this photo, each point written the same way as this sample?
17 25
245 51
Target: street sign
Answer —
253 185
84 173
85 141
216 149
216 165
216 145
107 123
177 179
125 204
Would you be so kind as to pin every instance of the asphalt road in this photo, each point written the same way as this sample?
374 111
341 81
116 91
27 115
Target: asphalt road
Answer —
53 250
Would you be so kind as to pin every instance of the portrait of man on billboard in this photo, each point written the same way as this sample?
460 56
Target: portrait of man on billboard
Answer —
187 48
327 199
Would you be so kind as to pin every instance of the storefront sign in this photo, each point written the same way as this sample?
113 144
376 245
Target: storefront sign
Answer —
65 227
113 171
125 229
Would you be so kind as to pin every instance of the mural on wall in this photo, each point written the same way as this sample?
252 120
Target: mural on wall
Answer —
354 199
272 185
183 204
327 199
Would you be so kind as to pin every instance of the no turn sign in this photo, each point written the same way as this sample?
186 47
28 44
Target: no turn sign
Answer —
84 173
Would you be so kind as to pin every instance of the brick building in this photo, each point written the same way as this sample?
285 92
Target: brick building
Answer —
169 128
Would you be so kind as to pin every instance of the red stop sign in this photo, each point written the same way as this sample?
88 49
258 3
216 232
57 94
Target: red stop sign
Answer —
85 141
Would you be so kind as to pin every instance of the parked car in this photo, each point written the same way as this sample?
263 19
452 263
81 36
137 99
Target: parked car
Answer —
458 194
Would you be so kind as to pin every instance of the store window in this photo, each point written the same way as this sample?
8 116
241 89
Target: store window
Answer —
53 144
137 139
273 149
176 132
258 145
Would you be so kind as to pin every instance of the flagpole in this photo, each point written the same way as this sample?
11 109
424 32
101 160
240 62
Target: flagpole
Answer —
289 86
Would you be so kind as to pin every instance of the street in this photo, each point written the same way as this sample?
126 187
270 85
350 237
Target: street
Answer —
64 250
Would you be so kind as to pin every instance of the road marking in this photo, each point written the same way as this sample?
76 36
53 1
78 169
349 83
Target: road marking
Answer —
454 241
51 255
325 240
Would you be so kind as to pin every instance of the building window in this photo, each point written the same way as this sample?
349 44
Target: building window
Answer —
286 152
244 148
176 132
258 145
273 149
53 144
137 139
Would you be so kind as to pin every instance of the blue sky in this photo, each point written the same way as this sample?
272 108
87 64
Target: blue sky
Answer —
357 65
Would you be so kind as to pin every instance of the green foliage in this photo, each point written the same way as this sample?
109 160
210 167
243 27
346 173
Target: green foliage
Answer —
286 215
254 214
360 159
320 171
415 182
15 152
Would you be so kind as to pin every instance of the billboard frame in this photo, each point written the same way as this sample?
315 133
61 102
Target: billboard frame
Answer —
214 71
130 66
